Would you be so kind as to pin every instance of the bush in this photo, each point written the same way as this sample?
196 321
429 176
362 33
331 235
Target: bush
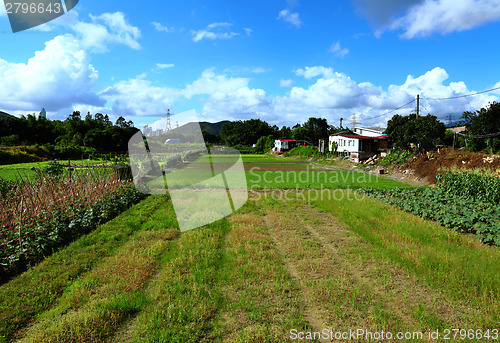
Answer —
303 151
397 157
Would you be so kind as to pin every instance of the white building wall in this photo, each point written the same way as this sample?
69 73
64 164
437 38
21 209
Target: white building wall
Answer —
367 132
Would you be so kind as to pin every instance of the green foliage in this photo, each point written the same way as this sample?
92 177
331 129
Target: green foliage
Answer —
464 202
425 131
264 144
16 155
34 225
54 169
397 157
303 151
470 185
482 123
312 130
246 132
67 137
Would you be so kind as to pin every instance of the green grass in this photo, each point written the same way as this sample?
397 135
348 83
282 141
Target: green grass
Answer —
40 287
313 179
457 263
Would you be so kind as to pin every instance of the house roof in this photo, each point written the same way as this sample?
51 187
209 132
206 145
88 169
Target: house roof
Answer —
373 128
360 137
286 140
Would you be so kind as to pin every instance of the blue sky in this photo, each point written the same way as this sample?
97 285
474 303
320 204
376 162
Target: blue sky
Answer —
281 61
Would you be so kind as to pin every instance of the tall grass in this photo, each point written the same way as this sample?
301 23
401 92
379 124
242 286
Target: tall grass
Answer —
479 185
37 216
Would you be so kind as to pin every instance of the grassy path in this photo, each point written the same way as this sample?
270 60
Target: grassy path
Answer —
348 284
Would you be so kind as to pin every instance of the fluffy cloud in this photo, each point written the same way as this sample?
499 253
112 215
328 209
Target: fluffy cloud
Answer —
312 72
445 16
55 77
61 75
290 17
420 18
286 83
107 29
159 27
338 51
139 97
330 95
213 31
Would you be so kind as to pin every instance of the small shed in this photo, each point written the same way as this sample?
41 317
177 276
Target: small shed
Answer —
284 144
358 147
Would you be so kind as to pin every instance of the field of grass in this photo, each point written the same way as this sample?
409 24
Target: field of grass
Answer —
280 266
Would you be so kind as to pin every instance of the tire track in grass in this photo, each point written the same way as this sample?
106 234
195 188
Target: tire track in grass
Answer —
37 289
417 305
184 296
96 305
333 285
262 301
347 284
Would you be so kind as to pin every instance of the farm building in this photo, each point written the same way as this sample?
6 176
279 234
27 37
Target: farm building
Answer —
284 144
369 131
356 146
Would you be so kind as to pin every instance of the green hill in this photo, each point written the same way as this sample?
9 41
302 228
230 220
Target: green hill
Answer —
189 128
6 115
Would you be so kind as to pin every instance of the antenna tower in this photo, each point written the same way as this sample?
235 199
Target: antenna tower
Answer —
169 126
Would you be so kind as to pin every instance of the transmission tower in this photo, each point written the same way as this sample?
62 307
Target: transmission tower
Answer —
169 126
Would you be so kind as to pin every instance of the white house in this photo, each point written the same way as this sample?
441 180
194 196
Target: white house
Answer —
369 131
284 144
357 147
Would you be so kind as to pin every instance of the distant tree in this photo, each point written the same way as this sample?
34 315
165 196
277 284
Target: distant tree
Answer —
301 133
264 144
122 123
210 138
317 128
484 123
245 132
285 132
425 131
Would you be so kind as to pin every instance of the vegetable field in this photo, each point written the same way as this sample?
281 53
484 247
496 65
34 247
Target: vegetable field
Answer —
465 202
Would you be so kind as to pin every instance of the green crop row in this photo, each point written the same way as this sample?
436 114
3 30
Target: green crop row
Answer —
471 185
460 213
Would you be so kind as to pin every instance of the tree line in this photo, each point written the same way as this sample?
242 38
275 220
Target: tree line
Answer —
96 132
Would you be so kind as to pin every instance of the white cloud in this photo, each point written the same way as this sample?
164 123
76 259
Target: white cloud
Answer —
311 72
445 16
260 70
338 50
248 31
54 78
105 30
164 65
286 83
213 31
290 17
139 97
159 27
211 83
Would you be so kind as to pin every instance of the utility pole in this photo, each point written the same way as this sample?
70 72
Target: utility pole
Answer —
418 105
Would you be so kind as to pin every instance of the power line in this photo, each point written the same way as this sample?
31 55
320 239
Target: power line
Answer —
391 111
464 96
